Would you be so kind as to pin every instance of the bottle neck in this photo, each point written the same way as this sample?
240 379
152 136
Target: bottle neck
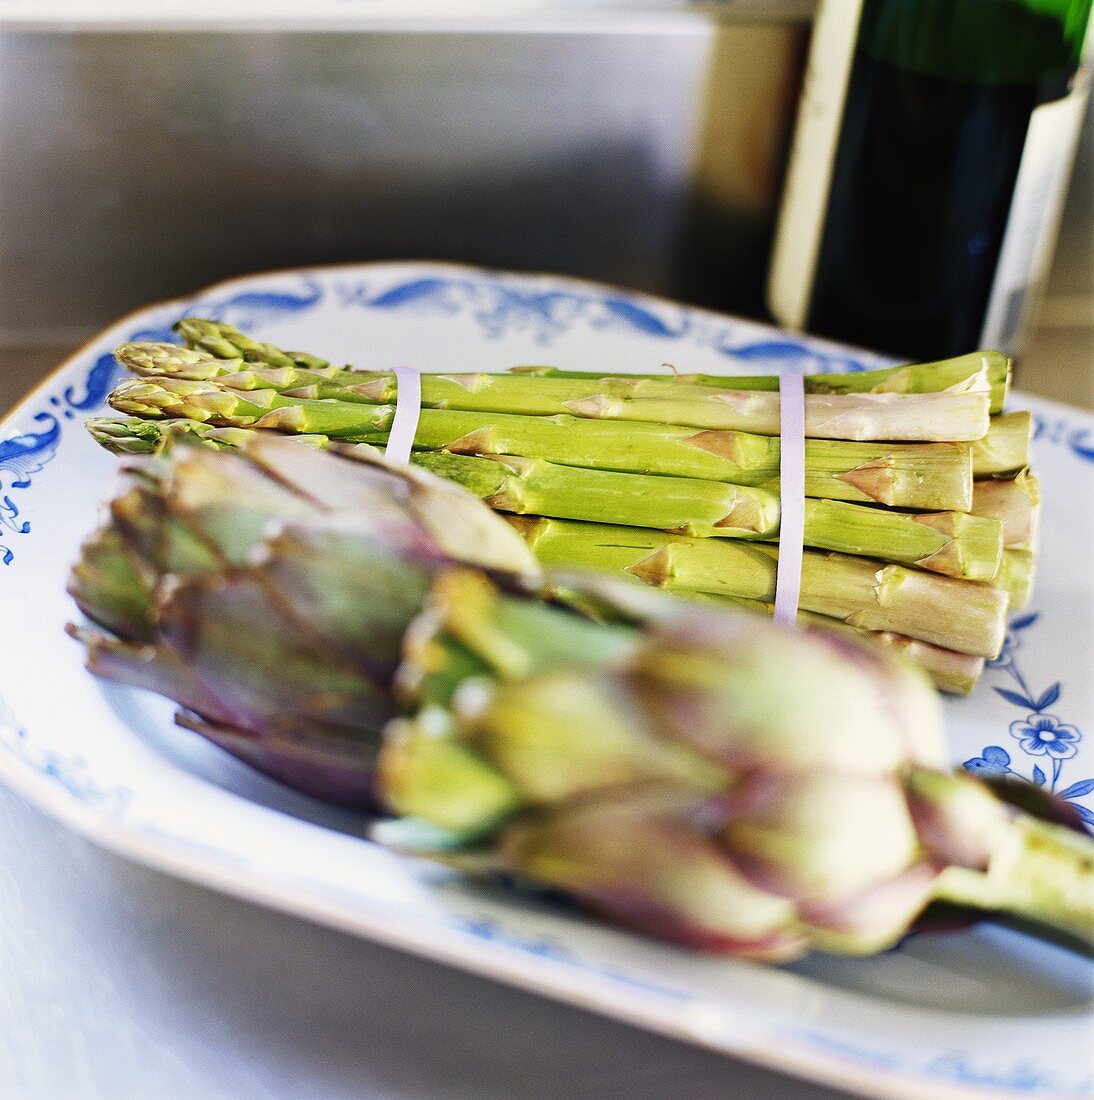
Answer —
985 42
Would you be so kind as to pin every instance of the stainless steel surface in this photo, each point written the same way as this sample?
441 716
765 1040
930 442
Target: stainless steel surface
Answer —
139 166
607 16
117 983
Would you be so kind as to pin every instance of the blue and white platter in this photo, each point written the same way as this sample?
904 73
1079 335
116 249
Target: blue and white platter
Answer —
983 1012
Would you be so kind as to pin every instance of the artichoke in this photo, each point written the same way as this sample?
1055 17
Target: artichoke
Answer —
269 595
696 773
731 785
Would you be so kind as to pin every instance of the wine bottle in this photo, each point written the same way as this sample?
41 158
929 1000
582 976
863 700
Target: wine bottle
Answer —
928 169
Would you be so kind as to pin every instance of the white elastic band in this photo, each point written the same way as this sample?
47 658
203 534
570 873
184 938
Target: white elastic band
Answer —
408 410
788 575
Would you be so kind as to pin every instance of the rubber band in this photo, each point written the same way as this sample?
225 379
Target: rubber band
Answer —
408 410
788 575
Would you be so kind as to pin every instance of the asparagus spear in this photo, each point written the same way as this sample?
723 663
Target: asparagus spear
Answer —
928 476
883 416
958 375
1004 450
857 417
950 671
952 543
130 435
532 486
963 374
1015 577
1015 502
954 614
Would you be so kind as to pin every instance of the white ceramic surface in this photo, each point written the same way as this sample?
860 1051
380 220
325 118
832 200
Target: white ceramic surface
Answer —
982 1012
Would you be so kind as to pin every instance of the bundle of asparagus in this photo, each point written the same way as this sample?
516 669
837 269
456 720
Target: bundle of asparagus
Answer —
920 513
698 774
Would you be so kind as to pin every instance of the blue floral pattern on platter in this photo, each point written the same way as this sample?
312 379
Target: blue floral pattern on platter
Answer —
24 455
1021 1076
1042 737
501 304
70 772
1041 742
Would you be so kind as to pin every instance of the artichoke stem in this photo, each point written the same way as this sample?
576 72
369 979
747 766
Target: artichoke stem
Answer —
1039 872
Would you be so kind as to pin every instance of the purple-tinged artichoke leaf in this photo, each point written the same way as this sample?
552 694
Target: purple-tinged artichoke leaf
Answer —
636 855
332 765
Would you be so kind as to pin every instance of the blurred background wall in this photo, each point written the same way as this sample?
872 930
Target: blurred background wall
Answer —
139 166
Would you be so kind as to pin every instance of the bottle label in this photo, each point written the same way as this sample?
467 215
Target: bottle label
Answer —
1034 220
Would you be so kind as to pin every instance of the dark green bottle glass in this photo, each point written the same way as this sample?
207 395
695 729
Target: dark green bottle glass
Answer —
933 233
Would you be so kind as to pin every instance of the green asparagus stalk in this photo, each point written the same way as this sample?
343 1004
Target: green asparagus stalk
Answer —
532 486
861 417
954 544
1015 502
1016 576
1004 450
954 614
951 543
524 485
963 374
952 672
858 417
130 435
928 476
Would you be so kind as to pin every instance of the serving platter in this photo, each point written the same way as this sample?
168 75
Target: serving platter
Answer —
982 1012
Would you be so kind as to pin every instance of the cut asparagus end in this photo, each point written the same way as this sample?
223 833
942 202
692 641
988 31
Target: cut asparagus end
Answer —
1016 576
1004 450
1015 502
